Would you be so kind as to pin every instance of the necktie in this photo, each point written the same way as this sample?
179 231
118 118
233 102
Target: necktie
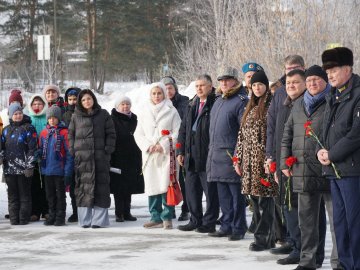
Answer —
201 106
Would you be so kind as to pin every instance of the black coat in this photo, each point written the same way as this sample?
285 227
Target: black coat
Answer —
341 131
127 156
195 159
180 102
307 171
92 140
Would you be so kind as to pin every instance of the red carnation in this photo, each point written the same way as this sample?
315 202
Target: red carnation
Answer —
308 132
235 159
272 167
178 145
265 182
307 124
165 132
290 161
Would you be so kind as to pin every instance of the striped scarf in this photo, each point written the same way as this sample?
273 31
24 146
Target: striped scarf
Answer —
52 130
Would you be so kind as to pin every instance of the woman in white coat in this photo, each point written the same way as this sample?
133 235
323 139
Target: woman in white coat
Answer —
157 118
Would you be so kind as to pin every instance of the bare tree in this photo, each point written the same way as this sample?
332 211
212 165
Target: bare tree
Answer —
224 32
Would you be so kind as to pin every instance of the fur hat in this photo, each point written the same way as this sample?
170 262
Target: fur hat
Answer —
15 96
337 57
54 111
15 107
122 99
228 73
316 70
260 76
51 87
251 67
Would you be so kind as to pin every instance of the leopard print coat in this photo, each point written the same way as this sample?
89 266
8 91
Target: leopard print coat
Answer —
251 154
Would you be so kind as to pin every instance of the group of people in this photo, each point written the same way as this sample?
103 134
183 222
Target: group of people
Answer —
289 150
53 145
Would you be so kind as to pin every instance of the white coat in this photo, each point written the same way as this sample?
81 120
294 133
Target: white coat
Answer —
148 132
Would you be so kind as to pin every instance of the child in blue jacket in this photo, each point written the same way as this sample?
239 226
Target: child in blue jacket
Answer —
56 165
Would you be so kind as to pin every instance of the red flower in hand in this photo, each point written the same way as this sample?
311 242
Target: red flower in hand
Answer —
307 124
265 182
165 132
178 145
290 161
235 159
272 167
308 132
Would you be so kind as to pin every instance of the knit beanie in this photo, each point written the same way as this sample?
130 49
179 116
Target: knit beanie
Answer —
316 70
260 76
122 99
13 108
51 87
53 111
169 80
15 95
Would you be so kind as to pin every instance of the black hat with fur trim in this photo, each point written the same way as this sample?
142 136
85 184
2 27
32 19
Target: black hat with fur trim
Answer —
337 57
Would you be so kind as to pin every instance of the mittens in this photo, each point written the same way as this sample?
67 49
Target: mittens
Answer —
29 172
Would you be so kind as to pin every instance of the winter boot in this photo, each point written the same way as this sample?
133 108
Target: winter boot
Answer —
60 218
51 219
73 218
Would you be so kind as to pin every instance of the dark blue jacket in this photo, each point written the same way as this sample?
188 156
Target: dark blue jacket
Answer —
56 163
341 131
225 118
275 105
18 146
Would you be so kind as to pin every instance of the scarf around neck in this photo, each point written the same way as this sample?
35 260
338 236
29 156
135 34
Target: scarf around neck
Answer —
311 102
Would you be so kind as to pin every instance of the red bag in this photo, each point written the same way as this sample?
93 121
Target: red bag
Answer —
173 196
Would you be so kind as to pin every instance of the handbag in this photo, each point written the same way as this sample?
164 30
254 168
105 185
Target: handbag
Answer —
173 195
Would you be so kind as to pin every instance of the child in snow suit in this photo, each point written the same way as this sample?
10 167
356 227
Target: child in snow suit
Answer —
56 165
18 145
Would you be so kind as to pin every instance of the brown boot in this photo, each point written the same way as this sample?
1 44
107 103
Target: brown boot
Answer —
167 224
153 224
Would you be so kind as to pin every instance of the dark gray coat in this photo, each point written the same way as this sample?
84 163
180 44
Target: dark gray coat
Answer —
307 171
92 140
225 117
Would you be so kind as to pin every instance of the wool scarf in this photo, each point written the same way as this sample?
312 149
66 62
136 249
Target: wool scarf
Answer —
51 131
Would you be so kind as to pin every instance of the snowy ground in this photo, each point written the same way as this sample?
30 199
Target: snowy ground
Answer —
125 245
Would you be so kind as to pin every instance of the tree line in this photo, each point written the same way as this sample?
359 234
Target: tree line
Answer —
144 40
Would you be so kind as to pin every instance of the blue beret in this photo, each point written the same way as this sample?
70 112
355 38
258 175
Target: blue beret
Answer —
251 67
